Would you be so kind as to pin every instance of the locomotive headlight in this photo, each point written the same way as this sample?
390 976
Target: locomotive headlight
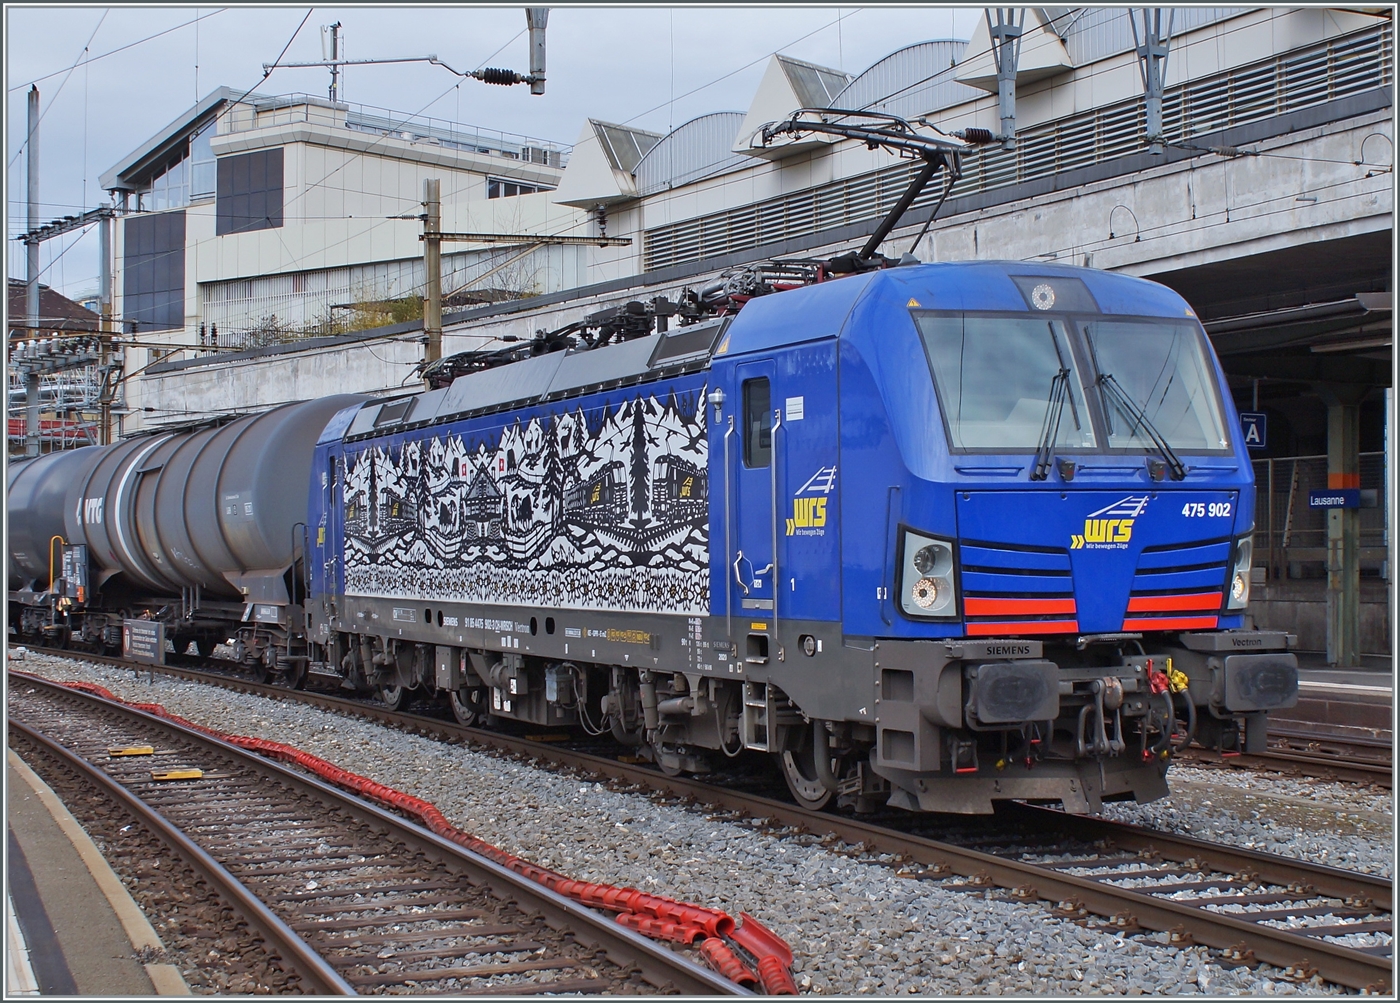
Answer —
1239 573
927 588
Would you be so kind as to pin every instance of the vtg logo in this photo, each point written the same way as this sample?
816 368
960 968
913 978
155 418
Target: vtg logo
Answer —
1104 533
809 504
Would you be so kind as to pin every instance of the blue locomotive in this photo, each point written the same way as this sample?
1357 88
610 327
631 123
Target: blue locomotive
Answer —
932 536
935 536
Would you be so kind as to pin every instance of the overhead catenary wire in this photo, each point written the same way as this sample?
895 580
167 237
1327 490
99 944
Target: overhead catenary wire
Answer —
268 72
265 75
320 182
120 48
409 118
1231 213
740 69
1319 160
24 145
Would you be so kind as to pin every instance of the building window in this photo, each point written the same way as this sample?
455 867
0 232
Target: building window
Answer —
170 189
500 188
202 170
188 173
153 271
249 192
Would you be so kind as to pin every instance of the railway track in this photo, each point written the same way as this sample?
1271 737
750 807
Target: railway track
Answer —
1252 906
352 897
1318 763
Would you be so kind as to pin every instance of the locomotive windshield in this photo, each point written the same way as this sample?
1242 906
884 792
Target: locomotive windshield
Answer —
1019 383
997 378
1162 367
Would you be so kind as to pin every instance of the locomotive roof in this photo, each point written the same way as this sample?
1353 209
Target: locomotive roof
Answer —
822 311
800 315
540 379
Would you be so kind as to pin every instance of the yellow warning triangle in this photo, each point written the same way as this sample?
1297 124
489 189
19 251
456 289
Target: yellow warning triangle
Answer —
913 302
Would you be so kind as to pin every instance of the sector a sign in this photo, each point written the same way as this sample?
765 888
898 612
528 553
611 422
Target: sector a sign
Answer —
1255 426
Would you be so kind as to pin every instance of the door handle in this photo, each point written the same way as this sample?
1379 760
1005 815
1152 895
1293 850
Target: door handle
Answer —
739 578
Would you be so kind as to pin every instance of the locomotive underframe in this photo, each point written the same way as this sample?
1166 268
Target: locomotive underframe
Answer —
949 725
926 735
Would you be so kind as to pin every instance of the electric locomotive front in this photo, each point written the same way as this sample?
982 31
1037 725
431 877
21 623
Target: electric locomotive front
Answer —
1043 536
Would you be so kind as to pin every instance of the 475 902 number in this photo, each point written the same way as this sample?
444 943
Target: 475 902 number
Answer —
1213 510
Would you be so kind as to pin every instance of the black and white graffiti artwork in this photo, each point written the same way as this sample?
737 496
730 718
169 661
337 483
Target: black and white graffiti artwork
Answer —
604 508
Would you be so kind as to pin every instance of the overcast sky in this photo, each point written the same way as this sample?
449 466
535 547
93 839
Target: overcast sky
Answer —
637 65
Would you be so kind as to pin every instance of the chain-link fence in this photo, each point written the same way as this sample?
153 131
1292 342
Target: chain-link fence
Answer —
1290 539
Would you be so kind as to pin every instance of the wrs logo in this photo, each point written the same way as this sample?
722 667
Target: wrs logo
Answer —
809 504
1110 528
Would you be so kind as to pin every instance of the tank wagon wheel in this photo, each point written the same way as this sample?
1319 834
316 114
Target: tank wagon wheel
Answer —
264 666
205 646
800 771
294 676
467 706
392 696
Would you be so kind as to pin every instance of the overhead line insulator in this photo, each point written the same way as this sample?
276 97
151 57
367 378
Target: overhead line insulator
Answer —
492 75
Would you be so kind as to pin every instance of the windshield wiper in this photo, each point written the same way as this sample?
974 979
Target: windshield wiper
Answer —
1050 430
1111 388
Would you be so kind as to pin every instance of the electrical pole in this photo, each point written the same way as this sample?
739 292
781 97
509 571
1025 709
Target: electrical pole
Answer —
432 268
105 373
31 259
334 31
1006 53
1152 46
536 18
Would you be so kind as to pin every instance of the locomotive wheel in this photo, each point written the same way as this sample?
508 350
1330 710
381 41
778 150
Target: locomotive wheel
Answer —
800 772
466 710
665 764
392 696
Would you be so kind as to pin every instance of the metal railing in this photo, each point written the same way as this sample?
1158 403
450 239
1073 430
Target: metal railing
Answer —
290 109
1288 534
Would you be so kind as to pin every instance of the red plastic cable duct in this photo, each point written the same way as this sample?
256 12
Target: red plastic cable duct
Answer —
659 929
719 957
777 980
772 953
651 915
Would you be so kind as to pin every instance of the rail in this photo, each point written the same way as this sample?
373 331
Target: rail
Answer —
279 938
624 948
1295 879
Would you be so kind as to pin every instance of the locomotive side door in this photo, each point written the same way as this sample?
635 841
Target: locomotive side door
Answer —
331 524
750 560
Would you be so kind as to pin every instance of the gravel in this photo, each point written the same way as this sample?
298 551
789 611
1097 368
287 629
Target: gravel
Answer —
1316 820
854 925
